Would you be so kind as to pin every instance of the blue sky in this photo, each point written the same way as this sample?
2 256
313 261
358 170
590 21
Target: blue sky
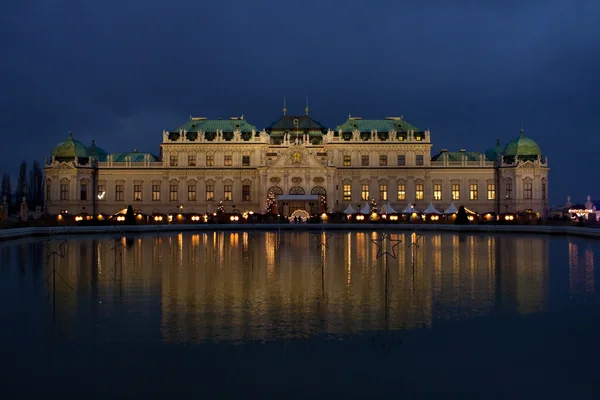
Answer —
122 71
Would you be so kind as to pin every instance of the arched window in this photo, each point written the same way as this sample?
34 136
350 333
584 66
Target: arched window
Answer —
296 190
318 190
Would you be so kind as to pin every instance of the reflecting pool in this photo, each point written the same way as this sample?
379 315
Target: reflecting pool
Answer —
300 314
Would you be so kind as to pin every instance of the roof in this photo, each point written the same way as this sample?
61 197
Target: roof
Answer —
380 125
494 153
522 147
291 122
135 157
95 151
457 156
212 125
69 149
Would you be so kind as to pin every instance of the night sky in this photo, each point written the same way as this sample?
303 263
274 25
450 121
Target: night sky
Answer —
122 71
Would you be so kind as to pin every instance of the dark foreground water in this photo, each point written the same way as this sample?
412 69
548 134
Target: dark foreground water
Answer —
300 315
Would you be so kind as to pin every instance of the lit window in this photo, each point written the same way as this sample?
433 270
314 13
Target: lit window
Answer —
383 192
364 192
401 160
119 192
401 191
227 193
347 192
245 192
491 191
173 160
528 191
437 191
210 160
364 160
382 160
173 195
245 161
137 192
155 192
419 193
347 160
210 192
191 160
228 160
419 159
191 192
473 191
64 191
83 192
455 191
101 192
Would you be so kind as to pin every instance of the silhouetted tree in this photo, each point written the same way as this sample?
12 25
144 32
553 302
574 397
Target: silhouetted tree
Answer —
129 216
22 182
36 186
461 216
6 189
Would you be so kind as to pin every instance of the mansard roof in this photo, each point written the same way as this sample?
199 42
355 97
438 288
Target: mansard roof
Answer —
457 156
212 125
135 156
380 125
292 122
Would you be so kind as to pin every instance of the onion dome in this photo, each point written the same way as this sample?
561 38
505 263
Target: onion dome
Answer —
522 147
494 153
68 149
97 152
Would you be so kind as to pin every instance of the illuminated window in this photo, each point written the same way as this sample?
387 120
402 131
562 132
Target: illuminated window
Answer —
137 192
364 160
191 160
473 191
173 160
101 192
383 192
419 159
491 191
48 191
401 160
401 191
455 191
245 192
528 191
437 191
227 193
155 192
543 190
418 138
347 160
419 193
347 192
191 192
173 192
64 191
508 189
210 160
245 161
382 160
119 192
227 160
210 192
83 192
364 192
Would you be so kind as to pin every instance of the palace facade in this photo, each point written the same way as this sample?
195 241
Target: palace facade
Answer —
295 163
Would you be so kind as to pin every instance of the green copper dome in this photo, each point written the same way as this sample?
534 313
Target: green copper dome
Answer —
495 152
97 152
69 149
523 147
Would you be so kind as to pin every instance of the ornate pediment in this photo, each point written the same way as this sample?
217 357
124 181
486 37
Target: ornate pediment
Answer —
64 165
298 156
527 165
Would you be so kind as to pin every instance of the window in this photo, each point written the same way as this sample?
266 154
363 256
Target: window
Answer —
137 192
155 192
401 191
419 194
364 192
528 191
83 192
455 191
508 189
246 161
543 190
347 160
210 160
191 160
64 191
245 192
418 138
173 160
101 192
364 160
491 191
347 191
119 192
473 191
437 191
382 160
227 160
383 192
227 193
48 191
191 192
210 192
419 159
401 160
173 192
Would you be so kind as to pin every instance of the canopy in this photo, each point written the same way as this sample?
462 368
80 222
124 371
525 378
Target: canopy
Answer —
349 210
409 209
431 210
366 209
470 211
451 209
388 209
298 197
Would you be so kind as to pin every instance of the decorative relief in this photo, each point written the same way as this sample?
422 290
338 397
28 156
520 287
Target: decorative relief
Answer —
296 180
318 179
275 179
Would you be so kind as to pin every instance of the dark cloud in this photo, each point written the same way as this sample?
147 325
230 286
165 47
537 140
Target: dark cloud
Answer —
470 71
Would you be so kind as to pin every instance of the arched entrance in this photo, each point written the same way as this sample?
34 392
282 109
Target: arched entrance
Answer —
271 204
322 193
302 214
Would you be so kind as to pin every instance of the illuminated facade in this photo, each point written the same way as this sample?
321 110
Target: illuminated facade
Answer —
295 164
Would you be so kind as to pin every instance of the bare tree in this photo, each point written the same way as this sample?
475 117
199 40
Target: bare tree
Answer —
36 186
6 189
22 182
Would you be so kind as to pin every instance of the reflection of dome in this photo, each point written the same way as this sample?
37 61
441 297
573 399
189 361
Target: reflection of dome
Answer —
69 149
522 147
495 152
97 152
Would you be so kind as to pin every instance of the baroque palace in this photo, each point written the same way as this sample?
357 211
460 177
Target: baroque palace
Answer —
295 164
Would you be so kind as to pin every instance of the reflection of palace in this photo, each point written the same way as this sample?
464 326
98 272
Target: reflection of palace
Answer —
234 285
295 164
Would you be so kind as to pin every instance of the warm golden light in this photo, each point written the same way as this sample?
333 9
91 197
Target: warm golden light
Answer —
393 218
